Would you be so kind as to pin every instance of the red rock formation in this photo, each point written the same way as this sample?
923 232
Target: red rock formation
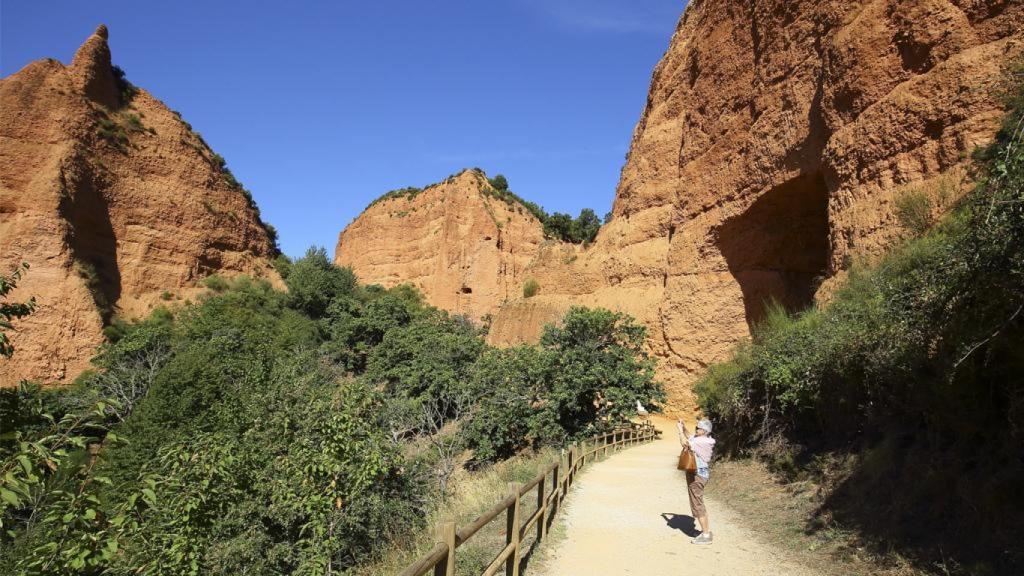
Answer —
111 202
775 139
464 248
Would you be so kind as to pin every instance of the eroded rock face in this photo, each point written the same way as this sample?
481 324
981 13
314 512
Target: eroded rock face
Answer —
109 213
465 249
776 137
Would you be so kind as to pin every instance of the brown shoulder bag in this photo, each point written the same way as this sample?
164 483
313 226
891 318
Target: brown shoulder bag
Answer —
687 461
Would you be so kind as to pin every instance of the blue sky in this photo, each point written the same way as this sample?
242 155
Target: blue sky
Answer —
320 107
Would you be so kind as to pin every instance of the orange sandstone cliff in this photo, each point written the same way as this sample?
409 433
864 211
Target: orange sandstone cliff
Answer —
113 201
776 139
462 246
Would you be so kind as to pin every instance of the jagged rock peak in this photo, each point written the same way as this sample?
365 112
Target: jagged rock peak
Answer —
93 72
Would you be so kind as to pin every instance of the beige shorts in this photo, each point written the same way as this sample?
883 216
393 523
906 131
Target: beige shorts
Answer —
695 486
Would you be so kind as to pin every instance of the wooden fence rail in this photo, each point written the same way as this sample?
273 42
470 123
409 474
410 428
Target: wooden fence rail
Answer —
441 558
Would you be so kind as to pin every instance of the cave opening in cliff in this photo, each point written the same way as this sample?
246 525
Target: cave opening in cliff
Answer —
778 249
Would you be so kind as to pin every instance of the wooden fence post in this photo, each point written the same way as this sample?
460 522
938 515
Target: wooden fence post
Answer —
512 532
542 525
446 534
568 470
575 462
556 486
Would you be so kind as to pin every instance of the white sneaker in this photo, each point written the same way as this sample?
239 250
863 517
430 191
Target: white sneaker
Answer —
704 538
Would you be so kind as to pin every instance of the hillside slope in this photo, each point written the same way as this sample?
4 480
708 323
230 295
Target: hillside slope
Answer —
111 199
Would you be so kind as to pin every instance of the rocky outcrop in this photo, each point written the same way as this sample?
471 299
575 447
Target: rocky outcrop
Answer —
457 241
115 204
775 140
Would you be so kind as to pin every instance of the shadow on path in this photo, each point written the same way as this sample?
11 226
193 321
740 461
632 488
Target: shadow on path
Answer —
682 522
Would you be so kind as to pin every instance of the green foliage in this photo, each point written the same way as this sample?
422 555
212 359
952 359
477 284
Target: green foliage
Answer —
530 288
409 192
925 350
134 123
283 265
266 432
584 379
111 131
499 183
515 380
126 89
10 311
313 282
428 358
599 371
215 282
581 230
914 212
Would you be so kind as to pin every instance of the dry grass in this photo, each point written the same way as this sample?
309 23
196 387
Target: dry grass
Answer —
472 494
786 515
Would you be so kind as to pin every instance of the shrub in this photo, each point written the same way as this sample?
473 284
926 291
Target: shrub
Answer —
530 288
499 182
283 265
914 212
111 132
314 281
513 378
216 283
134 123
428 358
127 90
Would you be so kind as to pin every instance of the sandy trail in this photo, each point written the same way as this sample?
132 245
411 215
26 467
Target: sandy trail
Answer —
630 515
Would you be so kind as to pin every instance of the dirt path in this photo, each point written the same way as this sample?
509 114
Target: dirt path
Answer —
630 515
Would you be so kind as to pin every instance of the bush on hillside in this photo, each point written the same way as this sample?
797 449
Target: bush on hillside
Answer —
530 288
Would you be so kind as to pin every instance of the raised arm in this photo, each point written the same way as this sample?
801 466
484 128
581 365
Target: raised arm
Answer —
684 434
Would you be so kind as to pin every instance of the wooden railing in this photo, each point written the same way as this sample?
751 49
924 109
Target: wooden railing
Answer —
562 475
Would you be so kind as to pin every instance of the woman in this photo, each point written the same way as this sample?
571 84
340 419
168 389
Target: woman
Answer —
702 445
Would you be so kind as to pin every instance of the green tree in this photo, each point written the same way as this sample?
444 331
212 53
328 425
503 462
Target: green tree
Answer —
511 383
599 370
499 182
314 281
10 311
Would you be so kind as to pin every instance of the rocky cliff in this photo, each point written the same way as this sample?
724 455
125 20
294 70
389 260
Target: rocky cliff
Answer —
115 204
776 138
458 241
